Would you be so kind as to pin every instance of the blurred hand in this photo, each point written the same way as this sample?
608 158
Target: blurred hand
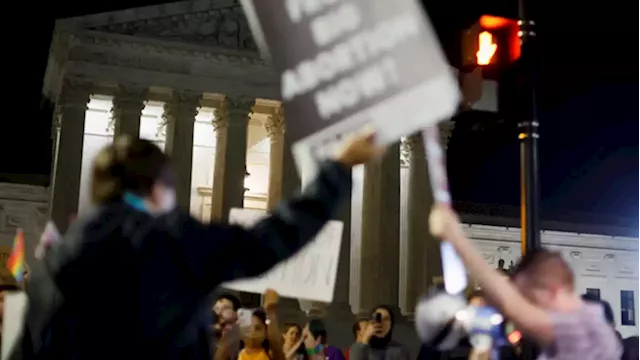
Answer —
471 87
310 342
444 223
271 298
469 44
228 316
359 149
480 355
368 331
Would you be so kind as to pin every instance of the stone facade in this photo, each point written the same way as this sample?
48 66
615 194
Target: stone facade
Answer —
23 207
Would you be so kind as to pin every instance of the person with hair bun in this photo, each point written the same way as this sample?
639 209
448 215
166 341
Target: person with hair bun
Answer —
132 279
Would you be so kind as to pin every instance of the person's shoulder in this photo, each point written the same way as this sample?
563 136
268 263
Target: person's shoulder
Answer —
398 348
585 331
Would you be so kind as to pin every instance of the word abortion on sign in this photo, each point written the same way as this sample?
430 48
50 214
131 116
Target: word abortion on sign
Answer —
346 64
309 275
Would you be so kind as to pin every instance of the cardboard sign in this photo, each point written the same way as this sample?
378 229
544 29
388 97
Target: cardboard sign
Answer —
15 308
347 64
310 274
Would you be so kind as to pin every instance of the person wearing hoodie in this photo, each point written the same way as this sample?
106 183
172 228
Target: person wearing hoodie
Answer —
133 278
376 342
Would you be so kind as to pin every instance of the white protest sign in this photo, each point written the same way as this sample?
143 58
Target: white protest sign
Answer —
309 275
347 64
15 308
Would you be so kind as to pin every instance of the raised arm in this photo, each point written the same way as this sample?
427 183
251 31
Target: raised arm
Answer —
360 350
218 253
273 330
527 317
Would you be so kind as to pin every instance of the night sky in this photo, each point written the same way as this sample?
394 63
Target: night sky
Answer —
588 105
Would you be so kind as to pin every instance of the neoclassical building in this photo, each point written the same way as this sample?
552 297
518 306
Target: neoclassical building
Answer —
187 76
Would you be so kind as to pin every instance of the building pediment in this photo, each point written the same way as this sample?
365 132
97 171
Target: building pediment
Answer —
216 23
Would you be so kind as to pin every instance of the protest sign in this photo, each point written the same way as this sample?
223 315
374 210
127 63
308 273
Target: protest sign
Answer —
310 274
347 64
15 307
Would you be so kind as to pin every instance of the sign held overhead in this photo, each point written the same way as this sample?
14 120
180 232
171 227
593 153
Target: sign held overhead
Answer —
346 64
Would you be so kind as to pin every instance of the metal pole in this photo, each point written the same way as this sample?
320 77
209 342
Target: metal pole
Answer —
528 134
528 137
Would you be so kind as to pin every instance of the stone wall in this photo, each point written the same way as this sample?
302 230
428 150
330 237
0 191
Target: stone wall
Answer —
25 207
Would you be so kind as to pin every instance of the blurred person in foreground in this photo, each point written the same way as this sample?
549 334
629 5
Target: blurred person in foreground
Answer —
376 342
463 350
540 301
132 279
630 352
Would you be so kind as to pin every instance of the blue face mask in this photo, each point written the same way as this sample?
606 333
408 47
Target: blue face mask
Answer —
167 202
135 202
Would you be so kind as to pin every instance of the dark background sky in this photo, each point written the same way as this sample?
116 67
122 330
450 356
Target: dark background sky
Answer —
588 101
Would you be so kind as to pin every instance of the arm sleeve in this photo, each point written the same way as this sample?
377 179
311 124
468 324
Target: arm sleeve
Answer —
359 351
219 253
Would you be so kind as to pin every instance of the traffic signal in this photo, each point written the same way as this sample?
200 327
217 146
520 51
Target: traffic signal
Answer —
491 46
497 45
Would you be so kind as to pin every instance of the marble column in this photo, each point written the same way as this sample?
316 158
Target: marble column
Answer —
128 103
375 248
275 127
230 124
421 263
290 308
72 108
180 115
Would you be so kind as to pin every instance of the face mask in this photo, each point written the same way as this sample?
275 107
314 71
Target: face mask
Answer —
168 201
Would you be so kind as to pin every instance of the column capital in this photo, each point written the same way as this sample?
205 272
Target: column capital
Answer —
75 93
128 99
183 105
232 106
130 93
275 124
238 105
446 130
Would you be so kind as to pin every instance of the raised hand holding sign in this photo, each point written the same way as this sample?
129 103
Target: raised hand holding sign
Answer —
309 275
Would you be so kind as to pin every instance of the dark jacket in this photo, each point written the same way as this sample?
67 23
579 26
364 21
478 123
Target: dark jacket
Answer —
126 285
631 348
393 351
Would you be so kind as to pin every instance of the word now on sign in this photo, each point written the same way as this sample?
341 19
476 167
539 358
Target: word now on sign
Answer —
309 275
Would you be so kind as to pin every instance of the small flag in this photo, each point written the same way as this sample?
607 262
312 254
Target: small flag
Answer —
16 259
49 236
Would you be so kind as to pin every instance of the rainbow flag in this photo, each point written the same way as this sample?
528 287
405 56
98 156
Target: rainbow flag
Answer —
16 259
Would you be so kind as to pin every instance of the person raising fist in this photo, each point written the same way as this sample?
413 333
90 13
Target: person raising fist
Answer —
167 262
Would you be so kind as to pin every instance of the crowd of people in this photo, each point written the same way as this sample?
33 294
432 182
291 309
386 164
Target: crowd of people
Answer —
134 278
261 339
